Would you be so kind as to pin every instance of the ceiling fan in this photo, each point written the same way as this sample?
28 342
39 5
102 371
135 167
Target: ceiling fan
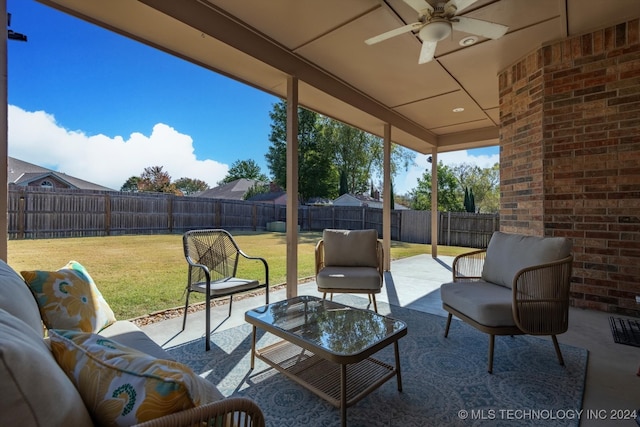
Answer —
436 23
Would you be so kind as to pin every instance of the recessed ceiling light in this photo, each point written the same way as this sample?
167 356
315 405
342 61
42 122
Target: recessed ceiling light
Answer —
468 41
458 110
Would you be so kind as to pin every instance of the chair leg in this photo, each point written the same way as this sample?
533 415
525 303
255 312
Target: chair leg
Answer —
492 340
375 306
558 353
186 308
446 329
324 295
230 303
207 322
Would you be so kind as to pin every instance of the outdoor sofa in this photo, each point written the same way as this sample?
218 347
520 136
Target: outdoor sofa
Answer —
69 377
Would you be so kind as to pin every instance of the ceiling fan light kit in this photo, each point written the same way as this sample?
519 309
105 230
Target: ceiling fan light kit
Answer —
437 23
435 31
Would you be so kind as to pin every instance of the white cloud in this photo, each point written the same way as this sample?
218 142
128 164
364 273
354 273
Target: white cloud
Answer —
409 180
35 137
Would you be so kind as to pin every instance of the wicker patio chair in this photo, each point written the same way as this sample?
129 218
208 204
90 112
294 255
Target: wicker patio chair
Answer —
232 411
518 285
349 261
213 258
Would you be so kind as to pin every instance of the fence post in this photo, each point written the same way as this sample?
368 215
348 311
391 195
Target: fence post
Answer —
333 217
107 214
254 213
170 213
449 228
21 216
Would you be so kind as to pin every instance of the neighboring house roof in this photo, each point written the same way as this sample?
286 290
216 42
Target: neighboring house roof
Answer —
277 197
319 201
233 190
23 173
363 200
346 200
357 200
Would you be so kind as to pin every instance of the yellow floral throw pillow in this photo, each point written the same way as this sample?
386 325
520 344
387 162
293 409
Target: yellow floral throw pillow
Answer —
69 299
121 386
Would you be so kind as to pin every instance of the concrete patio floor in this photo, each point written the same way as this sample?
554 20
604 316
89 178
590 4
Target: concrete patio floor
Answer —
612 387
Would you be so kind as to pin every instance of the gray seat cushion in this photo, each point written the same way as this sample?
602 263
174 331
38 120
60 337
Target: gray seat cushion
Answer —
226 286
129 334
486 303
360 278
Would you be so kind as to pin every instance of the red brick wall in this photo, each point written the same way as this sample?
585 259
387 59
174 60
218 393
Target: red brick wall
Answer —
570 158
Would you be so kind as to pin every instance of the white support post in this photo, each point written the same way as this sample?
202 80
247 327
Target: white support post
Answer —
434 203
292 187
4 135
386 206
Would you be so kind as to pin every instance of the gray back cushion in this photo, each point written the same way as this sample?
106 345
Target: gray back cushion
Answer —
356 248
509 253
35 391
16 298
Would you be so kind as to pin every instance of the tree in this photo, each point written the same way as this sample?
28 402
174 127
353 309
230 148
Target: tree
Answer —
449 191
131 184
190 186
247 169
154 179
343 184
469 200
393 197
316 177
257 188
353 152
483 183
472 202
333 158
360 155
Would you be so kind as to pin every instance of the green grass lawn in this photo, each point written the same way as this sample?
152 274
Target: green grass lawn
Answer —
139 275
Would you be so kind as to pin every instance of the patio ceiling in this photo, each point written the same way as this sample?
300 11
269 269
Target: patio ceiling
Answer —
263 42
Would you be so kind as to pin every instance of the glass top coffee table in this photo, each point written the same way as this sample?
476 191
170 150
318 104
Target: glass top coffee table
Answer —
327 347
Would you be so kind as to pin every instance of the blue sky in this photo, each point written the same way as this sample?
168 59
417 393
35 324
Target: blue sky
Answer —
101 107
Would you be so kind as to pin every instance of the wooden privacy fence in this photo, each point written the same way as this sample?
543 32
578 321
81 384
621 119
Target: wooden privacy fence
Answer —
35 212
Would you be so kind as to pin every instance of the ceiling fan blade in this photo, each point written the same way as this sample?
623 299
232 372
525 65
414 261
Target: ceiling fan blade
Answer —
479 27
393 33
427 52
420 6
460 4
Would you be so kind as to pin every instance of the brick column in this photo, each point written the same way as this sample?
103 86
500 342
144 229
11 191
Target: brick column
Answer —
570 158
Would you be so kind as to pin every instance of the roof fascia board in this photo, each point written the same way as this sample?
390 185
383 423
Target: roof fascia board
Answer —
479 138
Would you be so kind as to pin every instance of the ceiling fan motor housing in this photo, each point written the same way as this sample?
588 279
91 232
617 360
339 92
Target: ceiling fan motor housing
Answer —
437 29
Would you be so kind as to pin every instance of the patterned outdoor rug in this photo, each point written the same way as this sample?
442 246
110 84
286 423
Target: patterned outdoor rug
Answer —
445 380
